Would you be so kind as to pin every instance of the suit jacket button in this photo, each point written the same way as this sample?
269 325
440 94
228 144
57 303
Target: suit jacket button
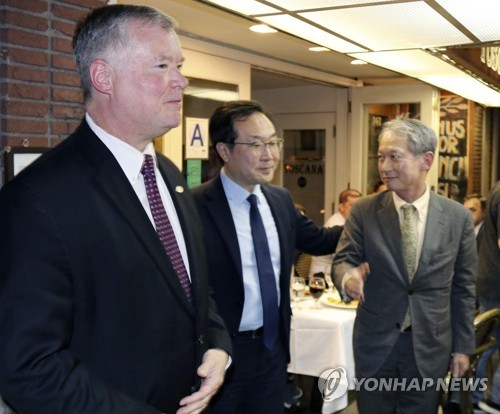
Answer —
201 339
398 326
410 292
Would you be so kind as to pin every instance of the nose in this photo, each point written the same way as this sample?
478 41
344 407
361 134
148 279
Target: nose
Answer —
180 81
384 164
269 153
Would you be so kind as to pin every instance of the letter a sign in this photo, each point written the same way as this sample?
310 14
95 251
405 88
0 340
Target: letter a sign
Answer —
196 142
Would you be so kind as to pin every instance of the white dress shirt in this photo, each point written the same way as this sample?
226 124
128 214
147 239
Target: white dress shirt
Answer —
252 317
421 205
131 160
419 217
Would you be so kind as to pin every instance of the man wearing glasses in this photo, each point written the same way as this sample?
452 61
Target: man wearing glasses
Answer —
251 231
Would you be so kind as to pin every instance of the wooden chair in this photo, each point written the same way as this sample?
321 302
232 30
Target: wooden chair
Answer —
485 325
302 265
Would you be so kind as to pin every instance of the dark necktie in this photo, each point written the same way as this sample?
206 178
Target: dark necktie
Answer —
267 279
163 226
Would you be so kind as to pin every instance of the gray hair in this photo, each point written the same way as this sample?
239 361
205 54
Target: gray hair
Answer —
105 30
419 137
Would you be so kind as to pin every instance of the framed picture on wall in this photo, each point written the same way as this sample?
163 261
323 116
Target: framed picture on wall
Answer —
18 158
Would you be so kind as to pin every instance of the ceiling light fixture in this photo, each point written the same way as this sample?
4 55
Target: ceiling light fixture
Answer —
319 49
262 28
359 62
371 31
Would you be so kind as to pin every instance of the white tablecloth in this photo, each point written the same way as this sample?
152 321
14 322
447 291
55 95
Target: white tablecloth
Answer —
320 340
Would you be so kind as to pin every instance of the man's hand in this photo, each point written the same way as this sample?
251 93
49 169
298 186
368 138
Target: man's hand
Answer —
211 372
355 281
459 365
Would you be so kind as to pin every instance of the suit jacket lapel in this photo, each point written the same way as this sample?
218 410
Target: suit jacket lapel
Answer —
391 230
218 208
116 188
434 228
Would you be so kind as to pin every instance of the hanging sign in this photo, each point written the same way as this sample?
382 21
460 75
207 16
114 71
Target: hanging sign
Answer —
197 142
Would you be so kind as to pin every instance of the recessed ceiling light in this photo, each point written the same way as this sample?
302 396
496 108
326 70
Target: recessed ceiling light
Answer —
262 28
319 49
358 62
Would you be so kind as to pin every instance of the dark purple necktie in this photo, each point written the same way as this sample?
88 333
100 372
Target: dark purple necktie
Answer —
163 226
267 280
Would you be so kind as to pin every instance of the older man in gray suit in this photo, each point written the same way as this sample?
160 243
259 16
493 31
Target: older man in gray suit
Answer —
414 276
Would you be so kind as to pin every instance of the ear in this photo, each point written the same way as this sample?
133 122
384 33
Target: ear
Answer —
101 76
428 159
223 151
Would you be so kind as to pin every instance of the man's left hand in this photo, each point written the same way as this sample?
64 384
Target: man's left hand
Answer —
459 365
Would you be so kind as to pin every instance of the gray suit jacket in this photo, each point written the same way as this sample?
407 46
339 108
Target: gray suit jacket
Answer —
441 295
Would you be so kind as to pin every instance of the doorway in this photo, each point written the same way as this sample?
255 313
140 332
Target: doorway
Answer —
307 164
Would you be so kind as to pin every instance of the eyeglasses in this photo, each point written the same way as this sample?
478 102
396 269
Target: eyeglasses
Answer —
258 148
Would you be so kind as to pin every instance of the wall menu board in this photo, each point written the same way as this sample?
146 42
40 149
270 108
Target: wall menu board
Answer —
452 144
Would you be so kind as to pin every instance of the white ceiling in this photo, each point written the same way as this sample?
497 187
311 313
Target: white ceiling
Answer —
395 36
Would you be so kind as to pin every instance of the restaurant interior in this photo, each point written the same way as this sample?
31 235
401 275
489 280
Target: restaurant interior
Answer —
331 72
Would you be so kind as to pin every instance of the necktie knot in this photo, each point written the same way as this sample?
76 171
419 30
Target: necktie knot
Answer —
148 166
252 199
408 209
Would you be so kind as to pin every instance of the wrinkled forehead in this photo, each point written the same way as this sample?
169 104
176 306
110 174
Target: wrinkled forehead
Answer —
391 141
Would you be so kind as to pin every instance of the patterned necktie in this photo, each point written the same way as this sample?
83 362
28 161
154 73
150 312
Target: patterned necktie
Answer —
163 226
267 279
409 236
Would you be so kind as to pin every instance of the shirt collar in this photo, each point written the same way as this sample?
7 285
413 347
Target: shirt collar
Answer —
129 158
421 204
236 193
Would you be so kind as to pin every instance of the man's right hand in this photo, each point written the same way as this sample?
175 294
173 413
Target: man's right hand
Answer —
355 281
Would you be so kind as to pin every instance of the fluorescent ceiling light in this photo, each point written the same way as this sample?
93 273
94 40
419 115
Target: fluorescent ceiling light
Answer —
412 63
390 26
309 32
317 4
213 94
247 7
430 69
467 87
486 26
391 34
262 28
319 49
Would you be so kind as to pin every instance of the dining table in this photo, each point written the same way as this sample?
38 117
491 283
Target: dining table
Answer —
321 340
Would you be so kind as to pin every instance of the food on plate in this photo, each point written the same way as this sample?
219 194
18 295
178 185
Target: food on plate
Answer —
335 301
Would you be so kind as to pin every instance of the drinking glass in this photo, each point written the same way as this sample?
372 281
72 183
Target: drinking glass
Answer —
316 289
328 278
298 288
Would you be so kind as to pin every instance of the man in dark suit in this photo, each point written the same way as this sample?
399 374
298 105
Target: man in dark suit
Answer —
93 316
477 207
414 275
246 141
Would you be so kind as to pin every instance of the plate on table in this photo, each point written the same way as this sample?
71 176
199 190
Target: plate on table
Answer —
336 302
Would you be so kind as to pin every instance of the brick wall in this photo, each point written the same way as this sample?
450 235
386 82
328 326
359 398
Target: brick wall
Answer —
40 98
